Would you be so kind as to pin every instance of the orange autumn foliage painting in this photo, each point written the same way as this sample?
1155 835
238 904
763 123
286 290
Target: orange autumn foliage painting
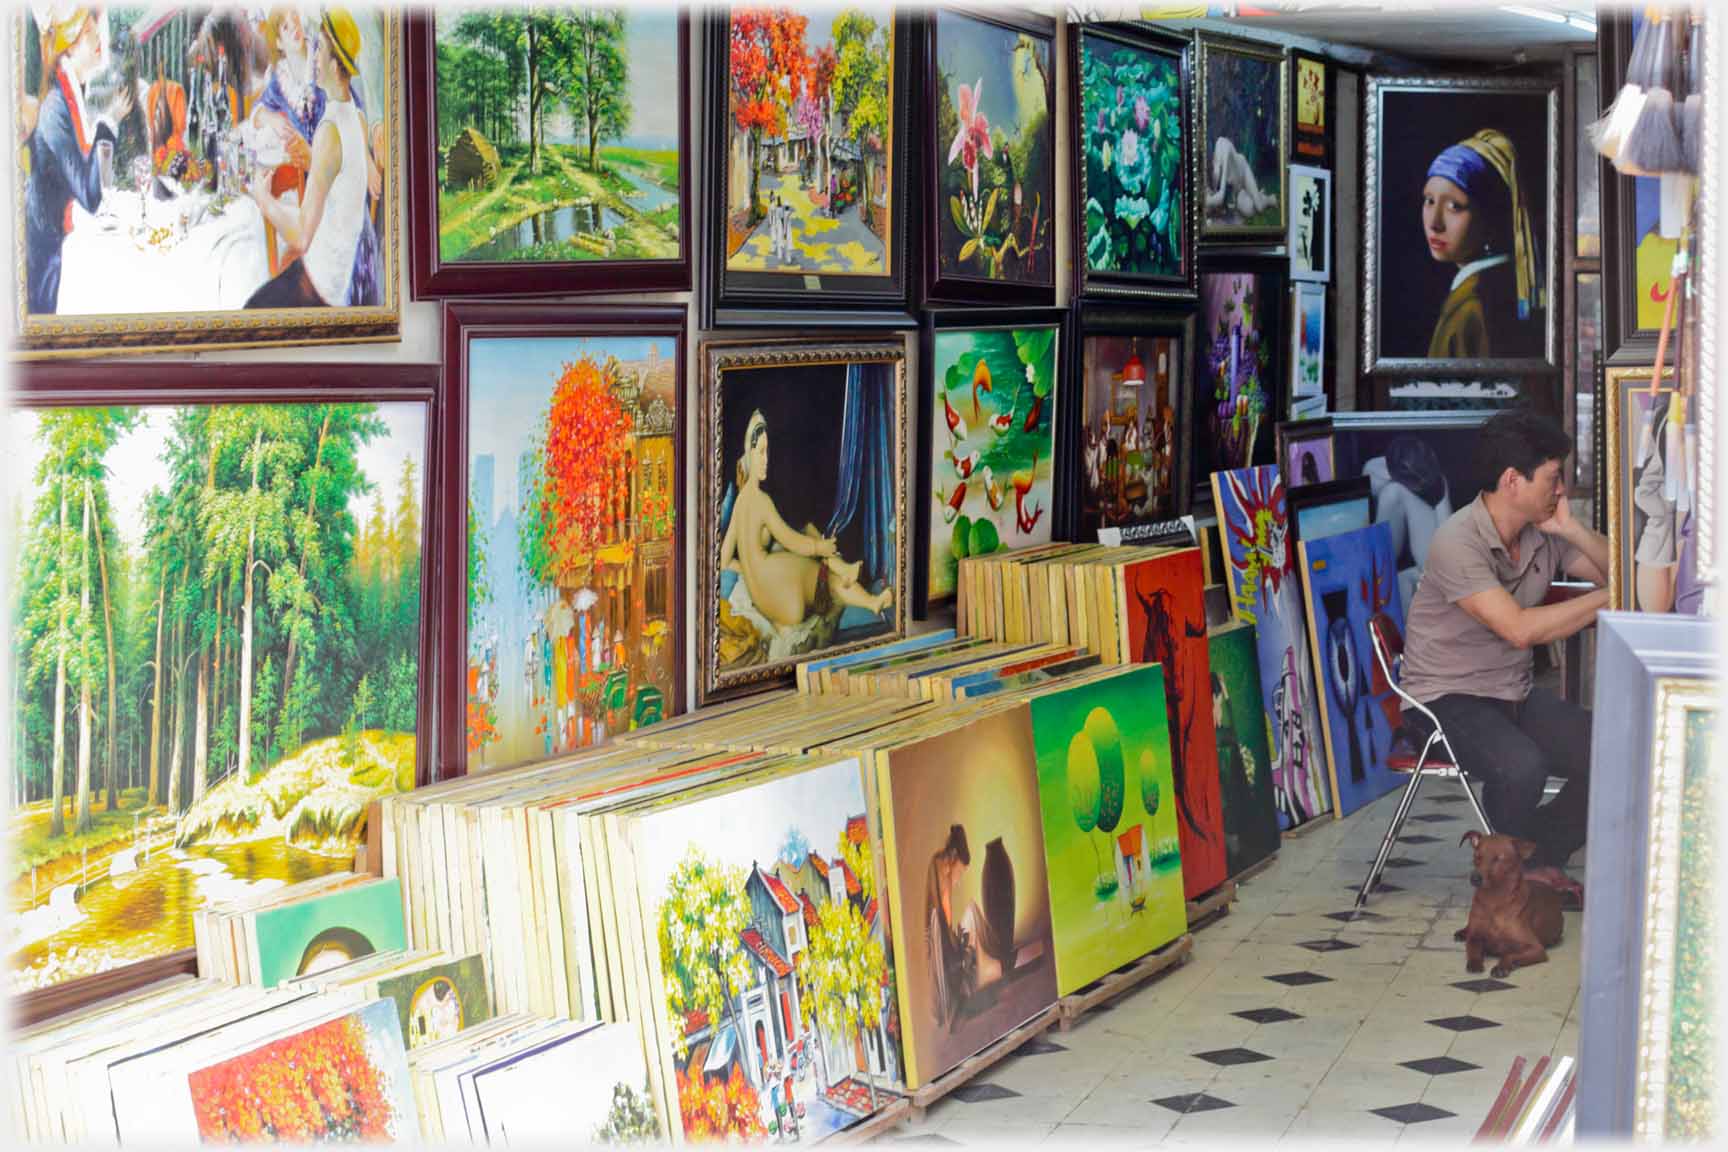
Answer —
589 456
340 1082
717 1109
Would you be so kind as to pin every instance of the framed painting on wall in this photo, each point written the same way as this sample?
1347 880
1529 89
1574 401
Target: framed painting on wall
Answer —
1647 526
1311 108
1331 507
1133 373
1241 141
806 164
221 612
1307 340
159 195
990 158
1133 184
803 506
1637 258
1463 185
1310 239
989 470
1305 451
561 433
515 192
1237 389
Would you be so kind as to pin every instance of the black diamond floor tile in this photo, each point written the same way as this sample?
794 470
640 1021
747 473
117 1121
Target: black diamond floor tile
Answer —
1412 1113
1298 979
1038 1046
1446 798
1381 886
1190 1102
1268 1015
1354 915
1463 1023
1434 817
1401 862
978 1093
1483 984
1327 945
1230 1057
1420 838
1438 1066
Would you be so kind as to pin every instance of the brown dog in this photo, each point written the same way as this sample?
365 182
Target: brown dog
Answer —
1510 917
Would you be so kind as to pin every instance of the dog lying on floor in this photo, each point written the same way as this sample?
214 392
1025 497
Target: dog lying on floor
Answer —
1512 916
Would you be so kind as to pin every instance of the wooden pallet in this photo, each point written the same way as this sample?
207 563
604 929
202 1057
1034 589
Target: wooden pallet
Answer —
1209 907
879 1122
1254 870
1125 979
976 1065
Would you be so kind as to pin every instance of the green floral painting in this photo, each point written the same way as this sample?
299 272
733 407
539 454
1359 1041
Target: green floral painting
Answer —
994 99
1135 192
992 441
1107 796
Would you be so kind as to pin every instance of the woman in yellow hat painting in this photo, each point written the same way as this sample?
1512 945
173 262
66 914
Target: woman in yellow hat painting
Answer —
1476 217
324 230
64 166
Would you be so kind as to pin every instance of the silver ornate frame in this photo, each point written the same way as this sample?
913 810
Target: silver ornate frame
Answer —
1206 43
1373 112
718 358
1711 220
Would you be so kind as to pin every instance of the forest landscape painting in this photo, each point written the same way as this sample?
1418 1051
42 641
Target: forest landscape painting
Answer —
216 623
810 120
558 134
992 445
996 145
1242 127
1109 810
772 966
571 530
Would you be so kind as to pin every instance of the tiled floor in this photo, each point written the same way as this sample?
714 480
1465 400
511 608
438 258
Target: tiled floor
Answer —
1294 1020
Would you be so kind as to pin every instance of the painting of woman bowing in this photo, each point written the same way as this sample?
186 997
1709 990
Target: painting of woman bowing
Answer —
805 505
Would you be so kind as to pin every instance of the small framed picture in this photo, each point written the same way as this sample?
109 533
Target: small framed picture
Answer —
1310 237
1305 451
1310 109
1307 340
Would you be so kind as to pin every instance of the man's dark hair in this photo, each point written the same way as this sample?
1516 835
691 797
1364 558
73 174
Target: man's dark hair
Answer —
1521 439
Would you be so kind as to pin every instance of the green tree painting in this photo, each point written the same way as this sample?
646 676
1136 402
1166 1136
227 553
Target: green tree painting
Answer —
1110 838
992 442
206 599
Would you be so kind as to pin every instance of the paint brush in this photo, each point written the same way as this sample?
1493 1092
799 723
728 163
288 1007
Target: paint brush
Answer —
1652 144
1692 107
1609 133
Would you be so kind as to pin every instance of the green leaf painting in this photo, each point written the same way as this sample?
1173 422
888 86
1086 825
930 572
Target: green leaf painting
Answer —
992 442
1136 185
1244 748
1111 846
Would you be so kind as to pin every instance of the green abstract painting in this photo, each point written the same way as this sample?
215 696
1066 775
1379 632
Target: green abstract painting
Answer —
312 935
1107 798
1244 749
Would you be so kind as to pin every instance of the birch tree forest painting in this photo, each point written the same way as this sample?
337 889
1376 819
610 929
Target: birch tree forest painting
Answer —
215 660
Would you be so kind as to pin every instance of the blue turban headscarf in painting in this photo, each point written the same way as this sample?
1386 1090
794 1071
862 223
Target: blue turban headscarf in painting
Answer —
1472 165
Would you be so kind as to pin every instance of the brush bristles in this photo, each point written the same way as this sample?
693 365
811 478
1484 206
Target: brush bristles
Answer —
1653 145
1609 133
1691 125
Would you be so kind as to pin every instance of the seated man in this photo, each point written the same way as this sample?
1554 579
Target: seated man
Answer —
1477 613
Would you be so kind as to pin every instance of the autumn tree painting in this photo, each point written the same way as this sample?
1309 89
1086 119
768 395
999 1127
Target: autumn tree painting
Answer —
216 622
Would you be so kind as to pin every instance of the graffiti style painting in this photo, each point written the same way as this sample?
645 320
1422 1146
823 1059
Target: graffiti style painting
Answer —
1244 748
216 659
1265 592
1109 807
571 527
1166 625
1351 585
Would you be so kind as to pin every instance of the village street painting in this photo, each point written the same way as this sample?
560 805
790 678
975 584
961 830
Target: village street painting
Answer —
558 135
571 485
215 660
810 119
772 957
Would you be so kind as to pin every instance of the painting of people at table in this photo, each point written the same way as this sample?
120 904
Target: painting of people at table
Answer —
1463 207
810 123
190 160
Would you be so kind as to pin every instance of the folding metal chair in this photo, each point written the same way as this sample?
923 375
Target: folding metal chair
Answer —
1435 758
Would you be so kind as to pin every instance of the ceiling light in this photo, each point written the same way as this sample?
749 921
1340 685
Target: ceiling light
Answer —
1535 13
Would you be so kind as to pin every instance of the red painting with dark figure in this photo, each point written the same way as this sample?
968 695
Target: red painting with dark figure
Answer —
1166 613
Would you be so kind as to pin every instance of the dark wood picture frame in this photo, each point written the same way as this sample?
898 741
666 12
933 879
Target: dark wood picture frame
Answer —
717 459
952 288
967 320
1093 285
1206 44
1117 318
1344 490
433 278
1313 149
165 384
1624 342
784 299
1275 312
1290 432
466 321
